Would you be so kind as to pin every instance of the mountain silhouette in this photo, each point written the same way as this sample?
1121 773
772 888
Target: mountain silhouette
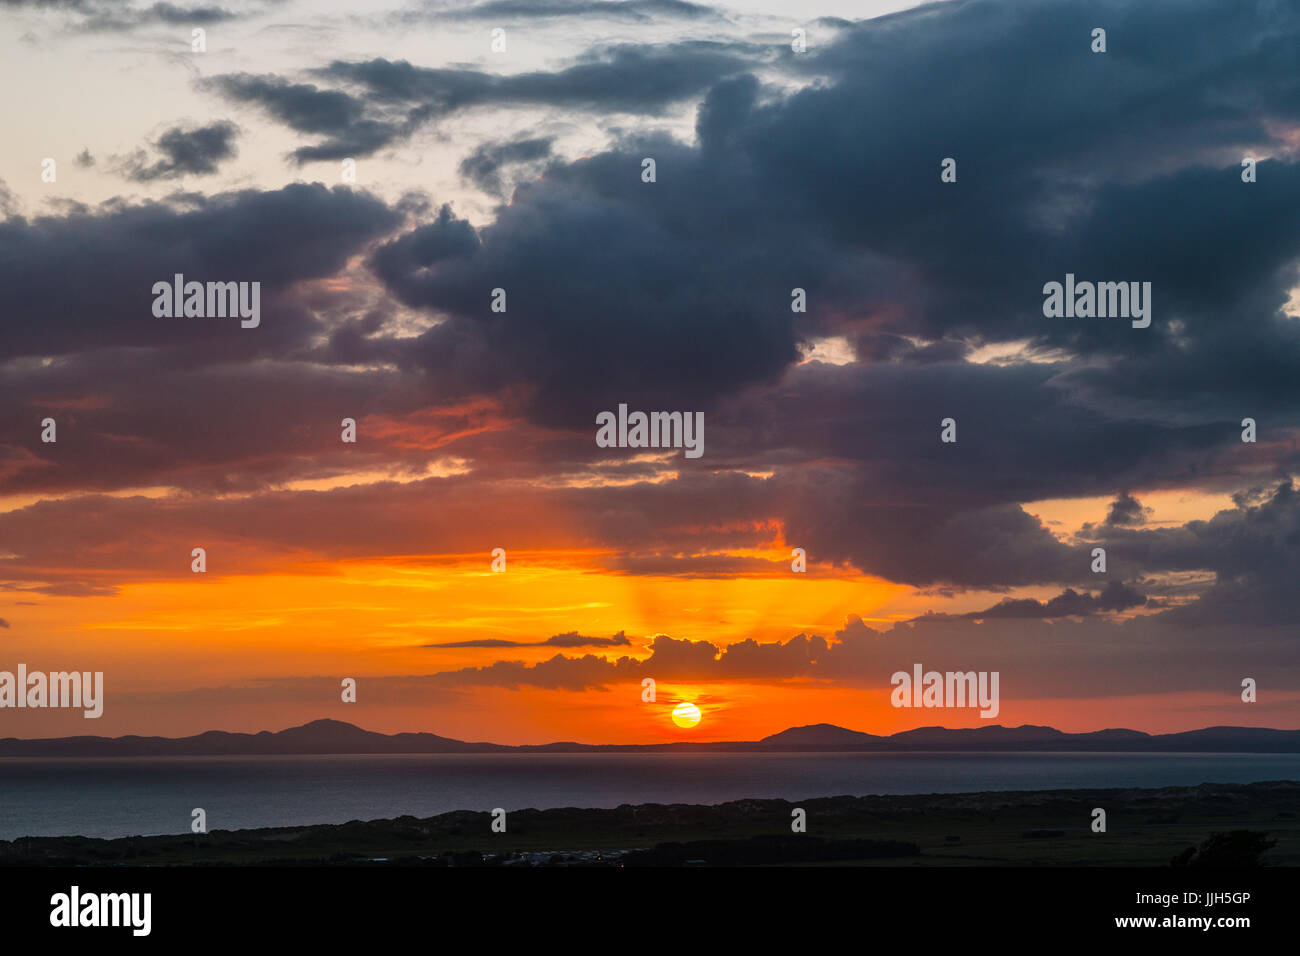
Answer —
338 737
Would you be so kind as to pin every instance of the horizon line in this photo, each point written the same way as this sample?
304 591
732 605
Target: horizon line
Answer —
669 743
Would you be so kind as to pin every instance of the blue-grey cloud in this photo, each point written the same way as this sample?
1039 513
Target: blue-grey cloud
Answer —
185 152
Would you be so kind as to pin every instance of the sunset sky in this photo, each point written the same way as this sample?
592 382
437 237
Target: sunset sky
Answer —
776 170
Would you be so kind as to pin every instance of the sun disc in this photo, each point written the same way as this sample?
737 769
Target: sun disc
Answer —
686 714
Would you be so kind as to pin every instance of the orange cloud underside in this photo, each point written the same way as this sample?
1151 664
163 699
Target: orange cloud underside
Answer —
373 618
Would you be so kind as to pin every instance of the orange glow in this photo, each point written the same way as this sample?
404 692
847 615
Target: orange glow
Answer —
266 648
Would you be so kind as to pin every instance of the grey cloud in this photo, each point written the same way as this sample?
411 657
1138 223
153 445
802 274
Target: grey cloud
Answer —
637 11
1126 511
117 252
570 639
1035 658
1115 596
396 98
186 152
484 166
104 16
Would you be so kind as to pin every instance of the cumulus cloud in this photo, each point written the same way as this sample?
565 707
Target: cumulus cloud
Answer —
186 152
1126 511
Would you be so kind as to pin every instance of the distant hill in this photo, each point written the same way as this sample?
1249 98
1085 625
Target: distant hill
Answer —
338 737
820 737
317 737
1030 737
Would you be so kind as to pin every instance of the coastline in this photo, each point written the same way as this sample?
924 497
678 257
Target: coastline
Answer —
1145 827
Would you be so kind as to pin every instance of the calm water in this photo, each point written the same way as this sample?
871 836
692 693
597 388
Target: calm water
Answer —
112 797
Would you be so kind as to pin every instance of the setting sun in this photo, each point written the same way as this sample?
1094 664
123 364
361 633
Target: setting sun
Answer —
686 714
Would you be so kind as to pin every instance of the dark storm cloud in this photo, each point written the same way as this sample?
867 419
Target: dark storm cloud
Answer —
670 293
885 497
862 478
1050 181
1035 658
1115 596
1069 657
201 424
141 400
1126 511
1253 550
676 294
134 535
186 152
1122 165
84 280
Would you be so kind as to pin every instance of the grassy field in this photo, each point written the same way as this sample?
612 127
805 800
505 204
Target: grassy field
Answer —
1014 828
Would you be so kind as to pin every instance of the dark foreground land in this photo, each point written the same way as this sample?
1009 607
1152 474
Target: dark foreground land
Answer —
1211 824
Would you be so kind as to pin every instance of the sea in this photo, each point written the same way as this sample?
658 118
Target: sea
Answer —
125 796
